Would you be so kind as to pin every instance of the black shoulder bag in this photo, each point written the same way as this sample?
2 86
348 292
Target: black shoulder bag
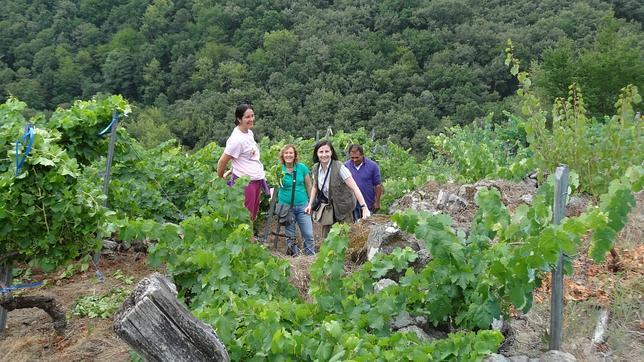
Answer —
285 215
319 196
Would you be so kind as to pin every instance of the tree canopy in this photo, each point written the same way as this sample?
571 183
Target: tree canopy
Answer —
398 67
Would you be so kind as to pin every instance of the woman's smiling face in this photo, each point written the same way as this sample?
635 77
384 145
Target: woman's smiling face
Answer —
248 120
289 155
324 154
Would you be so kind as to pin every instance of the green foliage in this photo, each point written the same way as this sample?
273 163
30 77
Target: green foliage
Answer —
100 306
244 292
120 276
471 279
80 124
611 215
148 130
475 278
487 151
50 212
397 67
612 62
599 151
209 255
73 268
163 183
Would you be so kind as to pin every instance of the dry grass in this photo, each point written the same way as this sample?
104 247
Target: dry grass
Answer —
300 276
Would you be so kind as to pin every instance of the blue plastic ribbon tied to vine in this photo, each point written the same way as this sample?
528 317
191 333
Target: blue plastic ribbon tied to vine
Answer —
28 141
19 286
115 117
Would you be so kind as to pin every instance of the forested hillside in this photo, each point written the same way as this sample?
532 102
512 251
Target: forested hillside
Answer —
402 68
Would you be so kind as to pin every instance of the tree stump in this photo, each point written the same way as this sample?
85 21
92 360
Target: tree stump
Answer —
159 328
48 304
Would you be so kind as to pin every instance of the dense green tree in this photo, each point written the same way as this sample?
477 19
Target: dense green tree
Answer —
629 9
314 64
156 18
154 83
68 80
148 127
119 73
600 71
280 45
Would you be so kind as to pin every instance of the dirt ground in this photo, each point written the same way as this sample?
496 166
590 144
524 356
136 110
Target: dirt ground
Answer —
30 337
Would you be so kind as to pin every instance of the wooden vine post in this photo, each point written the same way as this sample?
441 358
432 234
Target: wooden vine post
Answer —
556 299
5 282
159 328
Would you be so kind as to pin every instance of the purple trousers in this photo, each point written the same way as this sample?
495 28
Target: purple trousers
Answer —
251 194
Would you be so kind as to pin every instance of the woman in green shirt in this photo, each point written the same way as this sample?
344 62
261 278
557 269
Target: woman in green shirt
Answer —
288 157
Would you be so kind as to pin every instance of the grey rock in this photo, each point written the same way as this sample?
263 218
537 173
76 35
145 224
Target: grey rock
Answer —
108 254
520 359
419 332
456 204
527 199
382 284
576 206
403 319
110 244
557 356
531 179
422 260
496 358
442 199
435 333
497 324
384 238
141 245
417 200
467 192
421 321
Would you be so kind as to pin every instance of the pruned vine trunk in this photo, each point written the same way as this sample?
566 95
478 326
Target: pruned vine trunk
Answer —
616 264
48 304
159 328
5 281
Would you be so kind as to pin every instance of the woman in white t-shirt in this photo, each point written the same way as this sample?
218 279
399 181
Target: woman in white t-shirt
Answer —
242 149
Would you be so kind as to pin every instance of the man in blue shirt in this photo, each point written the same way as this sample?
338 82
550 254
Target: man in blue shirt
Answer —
366 173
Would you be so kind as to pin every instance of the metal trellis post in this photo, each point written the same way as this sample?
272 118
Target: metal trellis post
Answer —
556 299
106 183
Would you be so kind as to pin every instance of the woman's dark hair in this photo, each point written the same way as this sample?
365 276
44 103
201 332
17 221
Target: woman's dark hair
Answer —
240 110
316 159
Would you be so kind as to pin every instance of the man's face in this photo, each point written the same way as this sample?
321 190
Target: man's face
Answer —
356 157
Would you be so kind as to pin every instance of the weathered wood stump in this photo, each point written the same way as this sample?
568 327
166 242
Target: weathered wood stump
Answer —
46 303
159 328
